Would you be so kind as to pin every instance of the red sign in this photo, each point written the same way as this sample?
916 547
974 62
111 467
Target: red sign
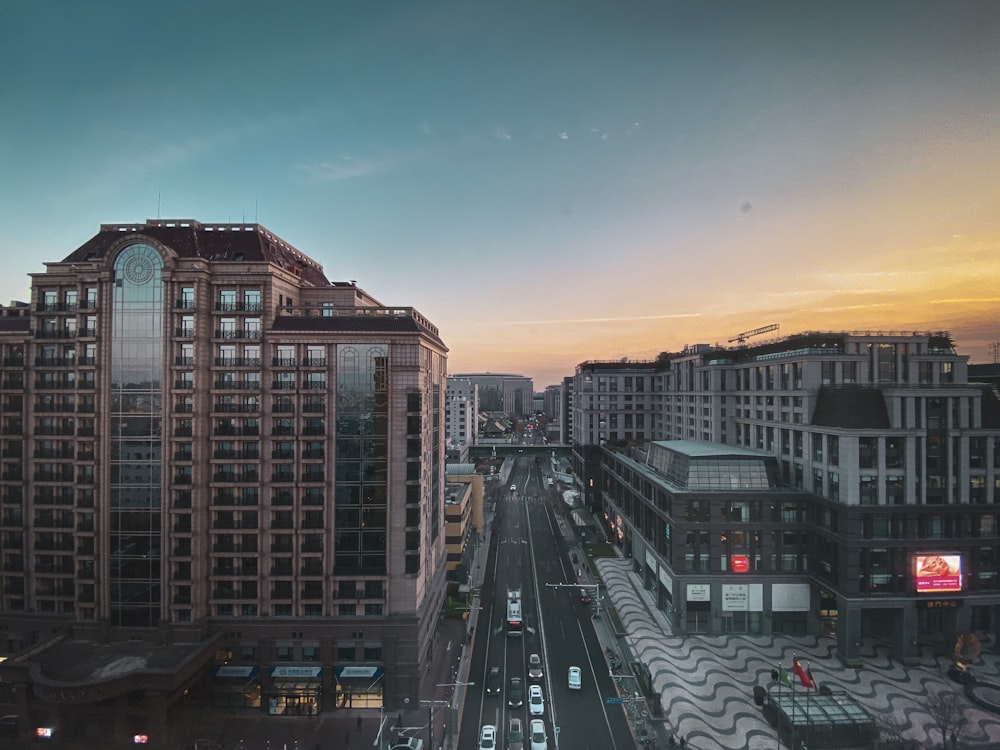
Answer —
935 574
741 563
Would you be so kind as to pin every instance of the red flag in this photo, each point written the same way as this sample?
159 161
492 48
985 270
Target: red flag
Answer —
804 677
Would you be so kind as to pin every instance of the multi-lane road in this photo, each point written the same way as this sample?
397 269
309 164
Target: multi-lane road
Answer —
528 552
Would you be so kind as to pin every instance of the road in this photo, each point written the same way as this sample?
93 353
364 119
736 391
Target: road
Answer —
527 551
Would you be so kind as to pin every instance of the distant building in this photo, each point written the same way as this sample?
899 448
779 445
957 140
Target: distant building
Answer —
567 412
500 392
461 417
218 463
879 513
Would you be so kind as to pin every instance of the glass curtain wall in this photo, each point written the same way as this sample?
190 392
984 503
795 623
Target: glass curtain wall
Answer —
362 459
136 437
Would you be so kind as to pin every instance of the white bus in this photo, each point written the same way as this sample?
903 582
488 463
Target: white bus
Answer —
515 621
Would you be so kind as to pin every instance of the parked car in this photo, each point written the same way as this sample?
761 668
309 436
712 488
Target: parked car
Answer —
488 737
535 667
493 681
515 734
537 733
536 703
573 679
515 693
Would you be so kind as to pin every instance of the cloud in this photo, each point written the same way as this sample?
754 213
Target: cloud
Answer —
965 301
632 127
563 135
571 321
501 133
346 168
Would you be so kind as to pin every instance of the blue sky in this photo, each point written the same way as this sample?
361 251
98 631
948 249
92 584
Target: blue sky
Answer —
547 181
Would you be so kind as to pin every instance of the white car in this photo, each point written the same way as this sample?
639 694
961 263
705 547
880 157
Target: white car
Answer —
513 488
536 703
488 737
537 734
573 681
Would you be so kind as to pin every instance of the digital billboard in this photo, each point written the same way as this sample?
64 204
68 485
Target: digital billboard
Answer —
937 573
741 563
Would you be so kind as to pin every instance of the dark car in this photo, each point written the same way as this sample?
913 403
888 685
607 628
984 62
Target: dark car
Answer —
493 681
515 693
585 597
534 667
515 734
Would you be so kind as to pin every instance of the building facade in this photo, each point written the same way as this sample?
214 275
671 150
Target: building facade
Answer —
205 441
896 452
512 395
461 417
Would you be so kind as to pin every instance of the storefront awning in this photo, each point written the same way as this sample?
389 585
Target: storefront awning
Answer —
300 674
359 679
226 670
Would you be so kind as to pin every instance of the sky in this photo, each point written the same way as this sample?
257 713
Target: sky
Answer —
548 181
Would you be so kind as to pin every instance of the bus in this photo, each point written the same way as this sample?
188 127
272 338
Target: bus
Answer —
515 623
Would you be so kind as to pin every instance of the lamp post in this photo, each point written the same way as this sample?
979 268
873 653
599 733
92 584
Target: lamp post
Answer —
442 703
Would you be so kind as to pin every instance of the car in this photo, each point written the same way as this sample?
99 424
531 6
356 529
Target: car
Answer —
488 737
535 668
573 679
536 703
585 597
513 488
407 743
493 681
515 693
536 731
515 734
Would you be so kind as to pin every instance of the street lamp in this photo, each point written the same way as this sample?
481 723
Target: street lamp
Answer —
432 703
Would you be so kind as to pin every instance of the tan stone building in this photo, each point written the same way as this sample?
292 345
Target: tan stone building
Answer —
221 476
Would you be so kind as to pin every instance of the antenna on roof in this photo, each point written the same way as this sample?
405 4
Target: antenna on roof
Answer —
157 204
255 210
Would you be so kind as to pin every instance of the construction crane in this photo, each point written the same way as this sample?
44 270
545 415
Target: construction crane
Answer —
741 338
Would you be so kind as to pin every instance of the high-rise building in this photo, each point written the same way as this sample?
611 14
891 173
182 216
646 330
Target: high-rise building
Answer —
461 417
512 395
209 447
894 456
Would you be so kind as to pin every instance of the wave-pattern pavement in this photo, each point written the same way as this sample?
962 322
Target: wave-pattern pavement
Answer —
706 683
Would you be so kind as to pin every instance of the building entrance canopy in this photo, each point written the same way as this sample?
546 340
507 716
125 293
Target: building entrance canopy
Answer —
820 719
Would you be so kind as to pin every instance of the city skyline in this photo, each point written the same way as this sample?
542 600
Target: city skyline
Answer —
547 183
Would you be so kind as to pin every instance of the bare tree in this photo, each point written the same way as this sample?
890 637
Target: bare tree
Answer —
948 713
890 731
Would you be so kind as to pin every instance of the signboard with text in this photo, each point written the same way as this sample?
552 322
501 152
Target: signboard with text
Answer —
937 573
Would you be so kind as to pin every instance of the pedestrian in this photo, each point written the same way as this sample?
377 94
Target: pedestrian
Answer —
358 724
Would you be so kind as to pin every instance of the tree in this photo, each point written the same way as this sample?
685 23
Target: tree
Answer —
948 714
890 731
